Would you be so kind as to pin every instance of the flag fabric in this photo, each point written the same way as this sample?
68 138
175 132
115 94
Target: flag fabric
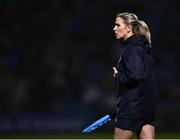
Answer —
99 123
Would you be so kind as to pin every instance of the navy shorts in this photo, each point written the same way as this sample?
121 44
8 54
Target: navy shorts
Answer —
132 124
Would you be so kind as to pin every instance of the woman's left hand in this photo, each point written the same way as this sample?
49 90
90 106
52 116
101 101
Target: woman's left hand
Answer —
114 71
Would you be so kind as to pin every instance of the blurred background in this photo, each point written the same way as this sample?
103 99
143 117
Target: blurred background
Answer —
56 59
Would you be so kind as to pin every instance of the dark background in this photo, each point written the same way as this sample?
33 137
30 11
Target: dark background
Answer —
56 59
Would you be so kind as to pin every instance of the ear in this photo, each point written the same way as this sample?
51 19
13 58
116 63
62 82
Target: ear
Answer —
129 28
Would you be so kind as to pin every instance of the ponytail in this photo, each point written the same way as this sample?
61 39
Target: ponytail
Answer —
144 30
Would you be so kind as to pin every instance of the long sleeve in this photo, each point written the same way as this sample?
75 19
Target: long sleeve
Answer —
132 72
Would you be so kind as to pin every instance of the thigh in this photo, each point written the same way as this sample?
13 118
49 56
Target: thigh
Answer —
122 134
147 132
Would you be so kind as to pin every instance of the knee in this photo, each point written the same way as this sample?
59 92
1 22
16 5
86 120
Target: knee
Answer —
122 134
147 132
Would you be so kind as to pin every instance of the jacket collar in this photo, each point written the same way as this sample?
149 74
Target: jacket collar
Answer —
137 39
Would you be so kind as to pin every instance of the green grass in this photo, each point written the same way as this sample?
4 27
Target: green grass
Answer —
82 136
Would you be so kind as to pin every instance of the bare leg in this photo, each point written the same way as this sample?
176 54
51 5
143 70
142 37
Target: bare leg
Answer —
122 134
147 132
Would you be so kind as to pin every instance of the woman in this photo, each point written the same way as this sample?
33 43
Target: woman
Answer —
135 79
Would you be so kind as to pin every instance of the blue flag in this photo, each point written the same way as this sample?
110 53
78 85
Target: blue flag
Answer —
99 123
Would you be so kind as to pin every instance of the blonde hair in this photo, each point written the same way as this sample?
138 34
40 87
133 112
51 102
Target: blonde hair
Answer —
138 26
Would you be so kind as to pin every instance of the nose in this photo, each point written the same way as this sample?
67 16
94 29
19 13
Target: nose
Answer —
114 28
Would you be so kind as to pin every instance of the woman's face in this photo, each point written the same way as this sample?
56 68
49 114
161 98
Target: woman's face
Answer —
120 29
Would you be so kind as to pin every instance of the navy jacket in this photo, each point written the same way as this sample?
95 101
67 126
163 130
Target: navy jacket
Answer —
135 80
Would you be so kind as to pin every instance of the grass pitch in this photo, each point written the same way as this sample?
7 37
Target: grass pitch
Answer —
160 135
